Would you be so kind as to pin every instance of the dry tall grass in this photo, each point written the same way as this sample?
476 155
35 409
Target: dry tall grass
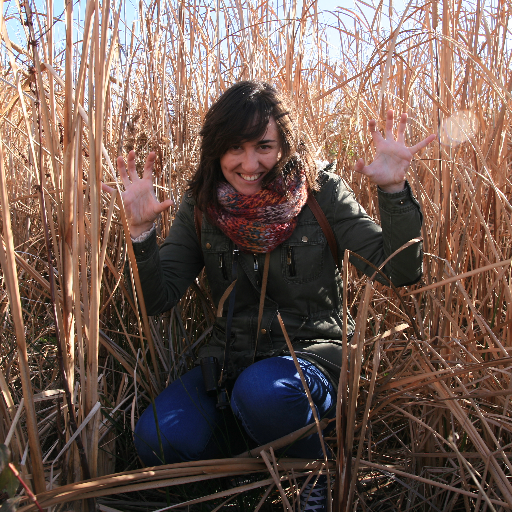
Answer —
425 421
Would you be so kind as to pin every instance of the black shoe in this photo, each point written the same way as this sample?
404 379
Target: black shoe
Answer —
314 499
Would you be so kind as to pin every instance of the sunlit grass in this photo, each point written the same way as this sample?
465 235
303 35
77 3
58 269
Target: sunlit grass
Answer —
429 404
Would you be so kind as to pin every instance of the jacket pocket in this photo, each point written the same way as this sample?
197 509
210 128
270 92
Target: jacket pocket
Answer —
214 241
302 255
217 255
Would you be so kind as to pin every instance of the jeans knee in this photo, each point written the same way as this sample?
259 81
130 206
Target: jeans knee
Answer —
269 382
181 425
168 442
272 388
269 399
275 383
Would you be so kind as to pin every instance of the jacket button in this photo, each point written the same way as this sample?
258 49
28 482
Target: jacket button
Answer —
263 331
304 238
208 245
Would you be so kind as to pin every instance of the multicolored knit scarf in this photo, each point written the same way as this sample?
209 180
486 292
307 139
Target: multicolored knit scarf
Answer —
261 222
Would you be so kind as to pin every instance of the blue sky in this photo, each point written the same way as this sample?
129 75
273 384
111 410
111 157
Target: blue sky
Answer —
130 13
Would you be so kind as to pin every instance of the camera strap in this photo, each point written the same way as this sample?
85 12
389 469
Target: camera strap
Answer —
326 227
229 319
262 301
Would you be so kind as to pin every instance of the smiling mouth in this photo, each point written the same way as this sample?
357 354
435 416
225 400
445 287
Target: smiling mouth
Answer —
250 177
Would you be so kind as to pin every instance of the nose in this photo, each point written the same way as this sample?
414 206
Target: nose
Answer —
250 162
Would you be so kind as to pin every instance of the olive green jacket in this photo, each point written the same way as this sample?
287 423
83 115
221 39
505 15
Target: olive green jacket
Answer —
304 284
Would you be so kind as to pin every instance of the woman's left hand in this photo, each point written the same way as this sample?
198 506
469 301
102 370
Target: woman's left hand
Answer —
392 157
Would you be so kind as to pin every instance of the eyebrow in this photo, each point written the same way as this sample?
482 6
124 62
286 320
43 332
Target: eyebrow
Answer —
265 141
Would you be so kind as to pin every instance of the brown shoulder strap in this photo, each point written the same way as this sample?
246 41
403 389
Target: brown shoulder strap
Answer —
324 224
198 221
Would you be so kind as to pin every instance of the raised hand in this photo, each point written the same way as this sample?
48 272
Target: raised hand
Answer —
392 157
140 203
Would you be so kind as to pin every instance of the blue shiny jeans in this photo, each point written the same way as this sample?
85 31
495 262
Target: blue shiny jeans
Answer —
268 401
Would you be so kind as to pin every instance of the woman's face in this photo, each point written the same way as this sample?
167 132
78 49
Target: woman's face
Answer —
244 166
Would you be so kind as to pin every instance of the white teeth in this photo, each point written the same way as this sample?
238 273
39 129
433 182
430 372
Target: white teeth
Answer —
250 177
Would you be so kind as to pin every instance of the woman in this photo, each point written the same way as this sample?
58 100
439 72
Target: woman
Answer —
245 218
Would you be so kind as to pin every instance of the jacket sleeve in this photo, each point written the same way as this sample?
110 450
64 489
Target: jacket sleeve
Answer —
401 221
168 271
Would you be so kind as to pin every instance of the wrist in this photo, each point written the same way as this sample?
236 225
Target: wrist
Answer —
136 231
393 188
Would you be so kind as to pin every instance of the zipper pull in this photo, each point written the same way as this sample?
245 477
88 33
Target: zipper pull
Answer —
222 266
290 262
236 254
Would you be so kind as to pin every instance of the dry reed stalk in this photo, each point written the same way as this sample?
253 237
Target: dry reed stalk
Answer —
7 261
304 383
95 85
277 481
69 259
162 476
284 441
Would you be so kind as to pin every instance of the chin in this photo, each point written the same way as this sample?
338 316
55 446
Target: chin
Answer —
249 192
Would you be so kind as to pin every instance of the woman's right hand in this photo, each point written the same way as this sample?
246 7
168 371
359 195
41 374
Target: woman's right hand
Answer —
140 203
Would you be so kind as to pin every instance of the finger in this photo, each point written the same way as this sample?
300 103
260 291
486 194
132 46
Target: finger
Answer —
164 205
390 117
424 143
401 128
149 165
376 135
121 167
106 188
131 166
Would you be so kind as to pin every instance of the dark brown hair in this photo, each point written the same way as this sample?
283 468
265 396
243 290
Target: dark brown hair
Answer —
241 114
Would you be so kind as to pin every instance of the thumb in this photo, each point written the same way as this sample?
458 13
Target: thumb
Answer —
359 166
106 188
164 205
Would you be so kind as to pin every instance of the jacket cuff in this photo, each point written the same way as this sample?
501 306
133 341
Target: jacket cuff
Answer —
398 202
144 235
144 250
